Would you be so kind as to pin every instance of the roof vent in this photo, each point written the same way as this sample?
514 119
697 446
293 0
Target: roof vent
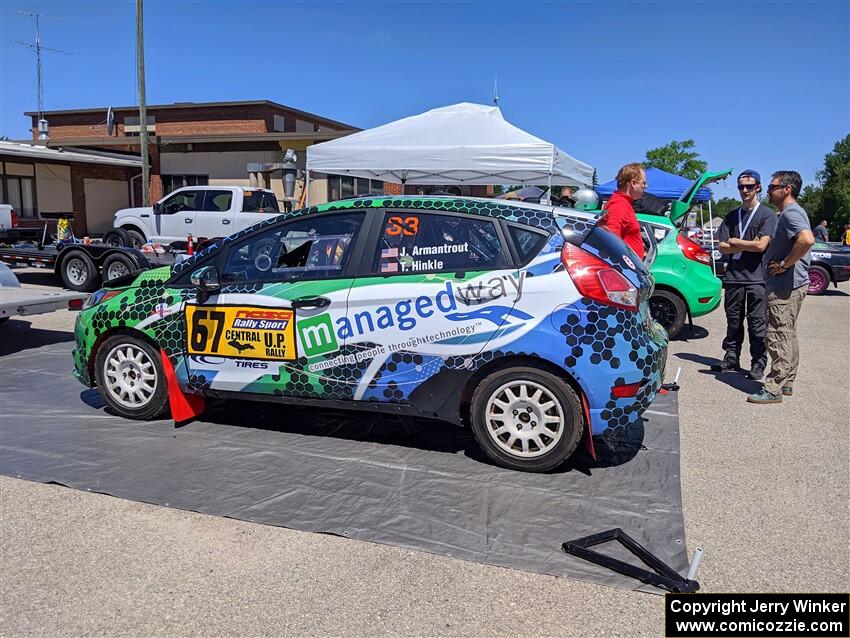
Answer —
43 132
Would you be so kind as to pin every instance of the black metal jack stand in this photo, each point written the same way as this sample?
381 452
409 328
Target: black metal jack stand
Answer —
663 576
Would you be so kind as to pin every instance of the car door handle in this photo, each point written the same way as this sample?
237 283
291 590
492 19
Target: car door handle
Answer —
225 221
188 220
311 302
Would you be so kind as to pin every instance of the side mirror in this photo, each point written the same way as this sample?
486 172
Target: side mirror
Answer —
157 209
207 281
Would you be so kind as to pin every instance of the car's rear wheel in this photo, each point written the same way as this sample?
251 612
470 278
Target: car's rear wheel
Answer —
818 280
137 239
526 419
130 377
668 309
117 238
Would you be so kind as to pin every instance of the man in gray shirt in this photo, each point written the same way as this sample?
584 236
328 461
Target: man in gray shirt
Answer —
787 278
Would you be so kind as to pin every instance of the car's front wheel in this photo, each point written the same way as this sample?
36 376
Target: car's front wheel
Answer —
130 377
526 419
818 280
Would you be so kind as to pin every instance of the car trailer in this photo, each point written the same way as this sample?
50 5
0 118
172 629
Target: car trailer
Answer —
80 266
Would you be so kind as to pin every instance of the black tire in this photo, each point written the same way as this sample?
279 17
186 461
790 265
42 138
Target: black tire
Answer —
137 239
668 309
818 280
500 447
117 238
157 403
117 265
78 272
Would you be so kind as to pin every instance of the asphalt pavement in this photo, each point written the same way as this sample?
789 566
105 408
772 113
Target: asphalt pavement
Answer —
764 487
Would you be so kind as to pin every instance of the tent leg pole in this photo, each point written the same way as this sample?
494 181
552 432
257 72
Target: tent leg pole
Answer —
711 234
307 185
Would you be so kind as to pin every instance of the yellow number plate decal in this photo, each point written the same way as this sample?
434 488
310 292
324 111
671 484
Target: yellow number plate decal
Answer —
243 332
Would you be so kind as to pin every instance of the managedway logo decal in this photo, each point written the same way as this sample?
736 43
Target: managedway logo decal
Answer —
320 335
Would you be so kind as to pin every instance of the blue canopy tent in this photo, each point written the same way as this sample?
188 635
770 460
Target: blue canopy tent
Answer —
661 184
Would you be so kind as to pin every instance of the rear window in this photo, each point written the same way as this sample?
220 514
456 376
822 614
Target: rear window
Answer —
218 201
413 241
259 202
527 242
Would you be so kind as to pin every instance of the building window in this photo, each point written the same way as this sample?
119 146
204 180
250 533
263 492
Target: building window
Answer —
19 191
132 125
173 182
345 187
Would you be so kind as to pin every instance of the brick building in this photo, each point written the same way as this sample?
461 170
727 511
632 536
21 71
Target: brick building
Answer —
201 143
214 143
93 185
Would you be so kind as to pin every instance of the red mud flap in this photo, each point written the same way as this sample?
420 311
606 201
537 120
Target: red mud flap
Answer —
588 437
184 407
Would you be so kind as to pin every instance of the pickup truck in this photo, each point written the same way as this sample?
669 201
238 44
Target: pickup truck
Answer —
199 211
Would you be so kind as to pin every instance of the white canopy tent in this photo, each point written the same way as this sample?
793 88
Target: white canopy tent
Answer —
459 144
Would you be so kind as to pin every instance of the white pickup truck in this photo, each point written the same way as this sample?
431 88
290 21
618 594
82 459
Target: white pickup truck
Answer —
200 211
10 231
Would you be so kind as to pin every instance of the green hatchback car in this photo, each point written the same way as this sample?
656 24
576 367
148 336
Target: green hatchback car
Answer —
685 285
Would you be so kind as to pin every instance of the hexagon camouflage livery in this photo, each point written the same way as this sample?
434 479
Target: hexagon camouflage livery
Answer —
417 349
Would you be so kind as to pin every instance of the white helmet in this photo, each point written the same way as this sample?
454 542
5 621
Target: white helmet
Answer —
585 199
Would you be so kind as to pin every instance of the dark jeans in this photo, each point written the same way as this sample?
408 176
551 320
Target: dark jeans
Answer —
750 301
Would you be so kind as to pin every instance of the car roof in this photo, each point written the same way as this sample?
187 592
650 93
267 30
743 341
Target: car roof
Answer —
218 187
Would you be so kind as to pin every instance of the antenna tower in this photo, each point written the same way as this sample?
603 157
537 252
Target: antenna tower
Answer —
42 123
496 90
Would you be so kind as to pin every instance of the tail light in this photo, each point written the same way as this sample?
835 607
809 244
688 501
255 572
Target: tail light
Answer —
693 250
597 280
14 219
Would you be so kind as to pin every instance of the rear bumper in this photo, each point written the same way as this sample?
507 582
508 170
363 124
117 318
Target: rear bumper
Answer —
618 412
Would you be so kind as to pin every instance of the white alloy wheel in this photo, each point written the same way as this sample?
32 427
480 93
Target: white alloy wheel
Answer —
77 271
130 375
524 419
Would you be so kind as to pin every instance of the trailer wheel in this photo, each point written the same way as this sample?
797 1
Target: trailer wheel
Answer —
117 265
79 272
117 237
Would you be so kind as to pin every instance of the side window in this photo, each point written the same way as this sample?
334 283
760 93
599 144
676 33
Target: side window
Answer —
527 242
217 201
412 241
259 202
314 247
182 201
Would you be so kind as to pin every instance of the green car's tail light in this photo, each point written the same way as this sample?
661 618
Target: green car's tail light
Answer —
597 280
99 296
693 250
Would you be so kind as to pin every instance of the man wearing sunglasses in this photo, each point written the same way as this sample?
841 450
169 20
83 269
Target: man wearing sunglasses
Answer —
744 235
786 283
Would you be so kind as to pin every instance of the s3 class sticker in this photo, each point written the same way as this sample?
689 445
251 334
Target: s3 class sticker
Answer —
241 332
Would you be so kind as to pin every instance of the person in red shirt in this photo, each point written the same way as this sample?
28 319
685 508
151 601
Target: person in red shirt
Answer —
619 213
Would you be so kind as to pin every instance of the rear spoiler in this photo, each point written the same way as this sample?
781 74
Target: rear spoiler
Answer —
575 227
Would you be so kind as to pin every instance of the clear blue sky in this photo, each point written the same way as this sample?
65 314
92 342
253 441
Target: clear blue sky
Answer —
760 84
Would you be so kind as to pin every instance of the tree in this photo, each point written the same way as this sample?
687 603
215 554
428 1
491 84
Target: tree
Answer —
835 184
676 157
723 206
594 181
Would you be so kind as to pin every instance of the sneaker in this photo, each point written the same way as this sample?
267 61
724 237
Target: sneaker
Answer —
763 396
726 366
787 390
756 374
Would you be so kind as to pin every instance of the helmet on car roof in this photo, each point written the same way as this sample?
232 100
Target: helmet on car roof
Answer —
585 199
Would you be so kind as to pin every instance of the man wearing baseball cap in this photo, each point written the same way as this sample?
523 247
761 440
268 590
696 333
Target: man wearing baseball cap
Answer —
744 236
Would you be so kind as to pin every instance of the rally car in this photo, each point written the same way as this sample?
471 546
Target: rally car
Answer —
532 329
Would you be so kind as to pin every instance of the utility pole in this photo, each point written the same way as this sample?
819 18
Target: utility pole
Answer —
143 112
42 123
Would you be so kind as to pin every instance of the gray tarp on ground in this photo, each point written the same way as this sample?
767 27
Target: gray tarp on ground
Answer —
413 483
